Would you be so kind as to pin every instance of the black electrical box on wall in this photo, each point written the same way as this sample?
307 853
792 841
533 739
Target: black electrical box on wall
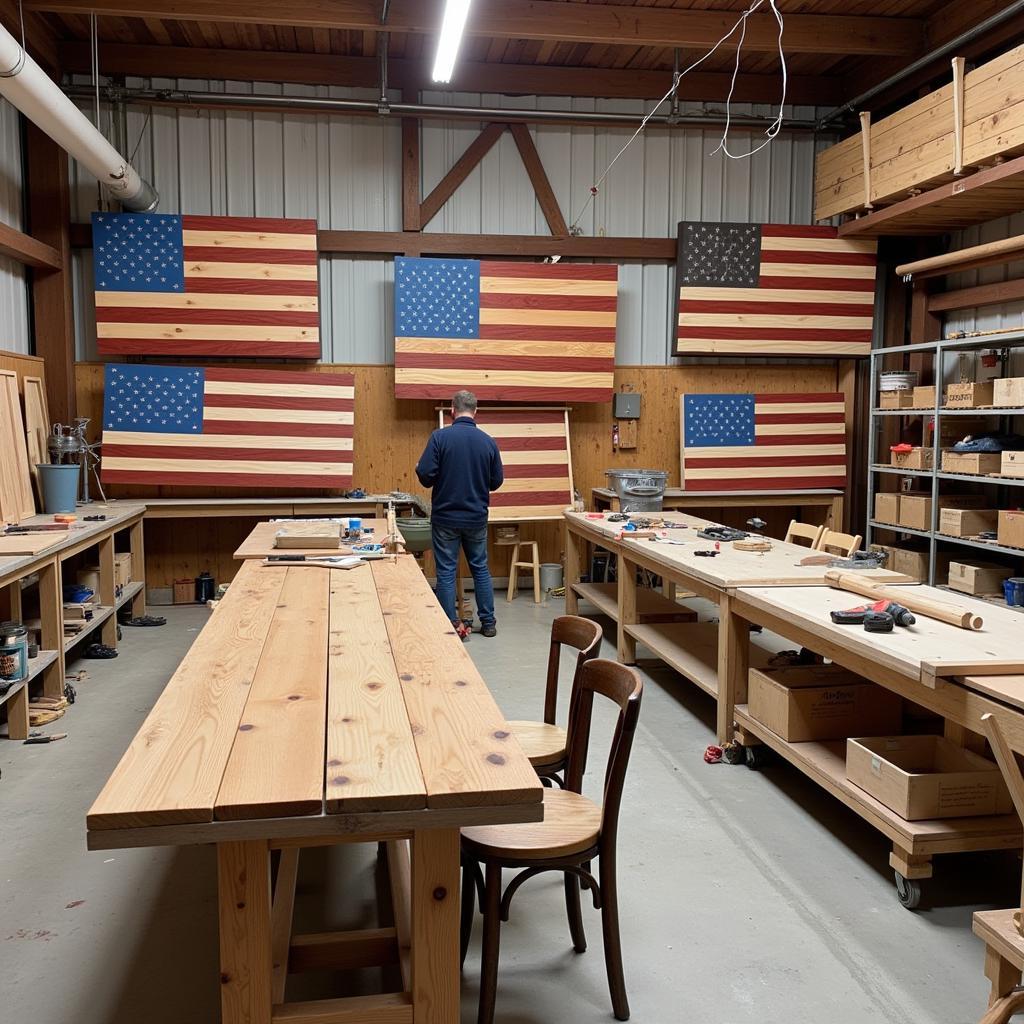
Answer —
626 406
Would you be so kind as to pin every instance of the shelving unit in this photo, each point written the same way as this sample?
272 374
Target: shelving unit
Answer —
940 351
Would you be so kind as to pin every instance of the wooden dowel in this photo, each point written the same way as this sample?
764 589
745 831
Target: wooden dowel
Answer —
987 252
951 613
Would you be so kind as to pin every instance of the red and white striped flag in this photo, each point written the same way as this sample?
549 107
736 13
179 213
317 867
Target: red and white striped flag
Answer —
170 285
227 427
763 442
534 446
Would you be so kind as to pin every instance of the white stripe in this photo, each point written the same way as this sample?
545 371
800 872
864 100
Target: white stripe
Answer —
279 390
229 466
277 415
199 441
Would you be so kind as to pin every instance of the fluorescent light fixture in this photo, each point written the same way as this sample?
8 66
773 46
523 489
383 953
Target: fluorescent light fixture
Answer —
455 13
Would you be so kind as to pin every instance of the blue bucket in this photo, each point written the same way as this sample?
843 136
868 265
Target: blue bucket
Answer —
1013 590
60 487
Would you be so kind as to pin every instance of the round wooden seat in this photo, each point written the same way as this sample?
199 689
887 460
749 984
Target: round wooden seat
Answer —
571 825
543 744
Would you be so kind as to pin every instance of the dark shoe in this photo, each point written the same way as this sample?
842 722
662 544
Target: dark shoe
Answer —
491 630
100 652
145 620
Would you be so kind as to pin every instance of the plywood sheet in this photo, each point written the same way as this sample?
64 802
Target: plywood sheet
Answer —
30 543
16 502
37 427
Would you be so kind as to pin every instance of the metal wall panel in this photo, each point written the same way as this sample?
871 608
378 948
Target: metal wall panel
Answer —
14 335
346 172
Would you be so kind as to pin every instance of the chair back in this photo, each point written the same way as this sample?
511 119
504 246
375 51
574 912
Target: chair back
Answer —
623 686
836 543
573 631
800 532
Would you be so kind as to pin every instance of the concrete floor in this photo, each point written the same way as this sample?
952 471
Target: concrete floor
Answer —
746 896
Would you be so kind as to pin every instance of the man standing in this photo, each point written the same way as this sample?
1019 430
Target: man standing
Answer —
463 465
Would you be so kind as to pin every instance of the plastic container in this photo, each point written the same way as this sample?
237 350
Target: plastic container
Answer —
638 490
60 487
550 575
416 534
206 588
13 652
1013 591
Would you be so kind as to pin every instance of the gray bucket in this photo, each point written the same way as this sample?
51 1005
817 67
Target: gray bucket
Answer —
550 575
638 490
59 485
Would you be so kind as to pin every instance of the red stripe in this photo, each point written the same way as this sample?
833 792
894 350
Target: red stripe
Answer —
237 254
775 333
199 454
798 231
741 462
778 308
780 439
510 300
538 332
159 476
768 484
244 286
520 416
237 317
237 374
519 471
503 497
531 444
439 361
800 417
823 284
280 429
243 402
809 396
160 347
275 225
502 392
846 259
551 271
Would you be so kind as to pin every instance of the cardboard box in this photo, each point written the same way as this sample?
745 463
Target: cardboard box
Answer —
122 568
977 579
966 522
1012 464
956 428
969 396
922 777
89 576
923 397
977 463
916 510
184 591
1009 391
821 702
916 458
913 562
887 507
896 399
1011 529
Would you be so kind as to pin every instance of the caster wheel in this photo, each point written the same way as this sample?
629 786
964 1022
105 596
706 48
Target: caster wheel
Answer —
757 757
908 891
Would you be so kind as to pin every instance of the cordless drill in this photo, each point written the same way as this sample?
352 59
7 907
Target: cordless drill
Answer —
879 617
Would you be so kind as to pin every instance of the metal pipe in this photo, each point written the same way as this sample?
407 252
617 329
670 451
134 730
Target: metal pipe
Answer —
975 32
40 99
237 101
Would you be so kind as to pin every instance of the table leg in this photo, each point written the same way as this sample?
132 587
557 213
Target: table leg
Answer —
627 610
573 544
1003 975
108 631
51 632
243 883
281 913
837 512
137 546
435 926
17 715
733 665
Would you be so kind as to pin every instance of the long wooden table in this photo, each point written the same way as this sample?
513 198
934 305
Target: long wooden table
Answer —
260 542
323 706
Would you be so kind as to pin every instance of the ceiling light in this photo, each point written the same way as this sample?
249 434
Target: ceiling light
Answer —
455 13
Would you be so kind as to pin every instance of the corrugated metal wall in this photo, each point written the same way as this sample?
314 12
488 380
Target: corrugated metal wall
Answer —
346 172
13 287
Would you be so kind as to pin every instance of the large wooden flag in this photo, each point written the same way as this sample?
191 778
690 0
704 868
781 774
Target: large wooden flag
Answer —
763 442
506 331
534 446
227 427
170 285
773 289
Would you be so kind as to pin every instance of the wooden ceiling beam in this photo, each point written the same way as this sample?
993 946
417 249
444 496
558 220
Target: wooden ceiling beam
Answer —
473 76
460 171
28 250
42 44
538 19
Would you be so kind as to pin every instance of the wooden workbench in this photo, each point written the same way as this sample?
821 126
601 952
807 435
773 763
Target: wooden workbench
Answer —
375 727
204 508
260 543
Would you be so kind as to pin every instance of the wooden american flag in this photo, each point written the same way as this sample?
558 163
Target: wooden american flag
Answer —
227 427
777 442
506 331
172 285
773 289
534 446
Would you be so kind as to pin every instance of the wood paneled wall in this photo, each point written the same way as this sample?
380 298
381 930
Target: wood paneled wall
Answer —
23 365
390 434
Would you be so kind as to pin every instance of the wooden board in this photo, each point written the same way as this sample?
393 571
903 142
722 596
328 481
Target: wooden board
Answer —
37 427
467 753
172 770
261 544
371 754
17 503
30 543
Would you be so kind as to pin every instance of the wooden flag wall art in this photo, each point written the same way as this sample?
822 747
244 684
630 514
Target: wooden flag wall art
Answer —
772 290
176 285
507 331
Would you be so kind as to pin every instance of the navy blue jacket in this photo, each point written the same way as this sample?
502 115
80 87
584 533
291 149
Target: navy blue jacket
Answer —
463 465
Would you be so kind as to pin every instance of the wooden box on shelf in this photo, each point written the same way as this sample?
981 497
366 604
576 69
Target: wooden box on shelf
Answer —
1011 528
1012 464
922 777
977 578
916 510
122 568
916 458
1008 392
184 591
887 507
896 399
966 522
913 562
923 397
974 463
969 396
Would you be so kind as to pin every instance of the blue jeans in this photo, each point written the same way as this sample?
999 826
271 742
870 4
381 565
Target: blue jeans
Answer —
473 540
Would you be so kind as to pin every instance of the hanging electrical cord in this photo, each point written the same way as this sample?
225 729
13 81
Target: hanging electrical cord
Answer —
16 67
773 130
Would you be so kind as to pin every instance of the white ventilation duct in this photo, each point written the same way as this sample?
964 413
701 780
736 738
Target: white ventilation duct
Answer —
24 83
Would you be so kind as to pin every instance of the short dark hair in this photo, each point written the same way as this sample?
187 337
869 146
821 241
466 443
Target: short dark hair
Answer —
463 401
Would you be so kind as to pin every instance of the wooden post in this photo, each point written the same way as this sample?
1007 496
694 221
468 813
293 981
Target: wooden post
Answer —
137 546
281 914
51 631
108 630
400 877
573 543
17 714
410 166
627 610
49 213
733 665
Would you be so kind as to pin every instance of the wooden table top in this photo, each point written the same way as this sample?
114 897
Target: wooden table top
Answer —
316 694
260 542
709 496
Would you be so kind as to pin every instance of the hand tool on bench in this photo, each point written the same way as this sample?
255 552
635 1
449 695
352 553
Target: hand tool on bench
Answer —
342 562
879 617
905 596
52 738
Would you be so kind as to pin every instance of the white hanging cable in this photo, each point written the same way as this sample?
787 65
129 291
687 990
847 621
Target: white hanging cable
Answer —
19 63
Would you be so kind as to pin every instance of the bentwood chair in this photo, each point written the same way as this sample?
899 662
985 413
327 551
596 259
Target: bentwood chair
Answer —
544 742
575 831
800 532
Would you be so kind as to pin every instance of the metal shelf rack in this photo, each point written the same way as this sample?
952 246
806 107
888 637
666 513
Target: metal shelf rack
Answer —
941 350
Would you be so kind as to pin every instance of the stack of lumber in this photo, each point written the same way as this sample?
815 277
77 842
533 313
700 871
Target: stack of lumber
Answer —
928 141
76 615
314 534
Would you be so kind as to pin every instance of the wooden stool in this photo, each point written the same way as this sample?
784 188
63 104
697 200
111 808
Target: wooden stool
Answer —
516 565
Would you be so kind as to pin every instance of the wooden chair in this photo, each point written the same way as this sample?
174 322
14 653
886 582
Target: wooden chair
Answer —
544 743
517 564
800 532
574 832
835 543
